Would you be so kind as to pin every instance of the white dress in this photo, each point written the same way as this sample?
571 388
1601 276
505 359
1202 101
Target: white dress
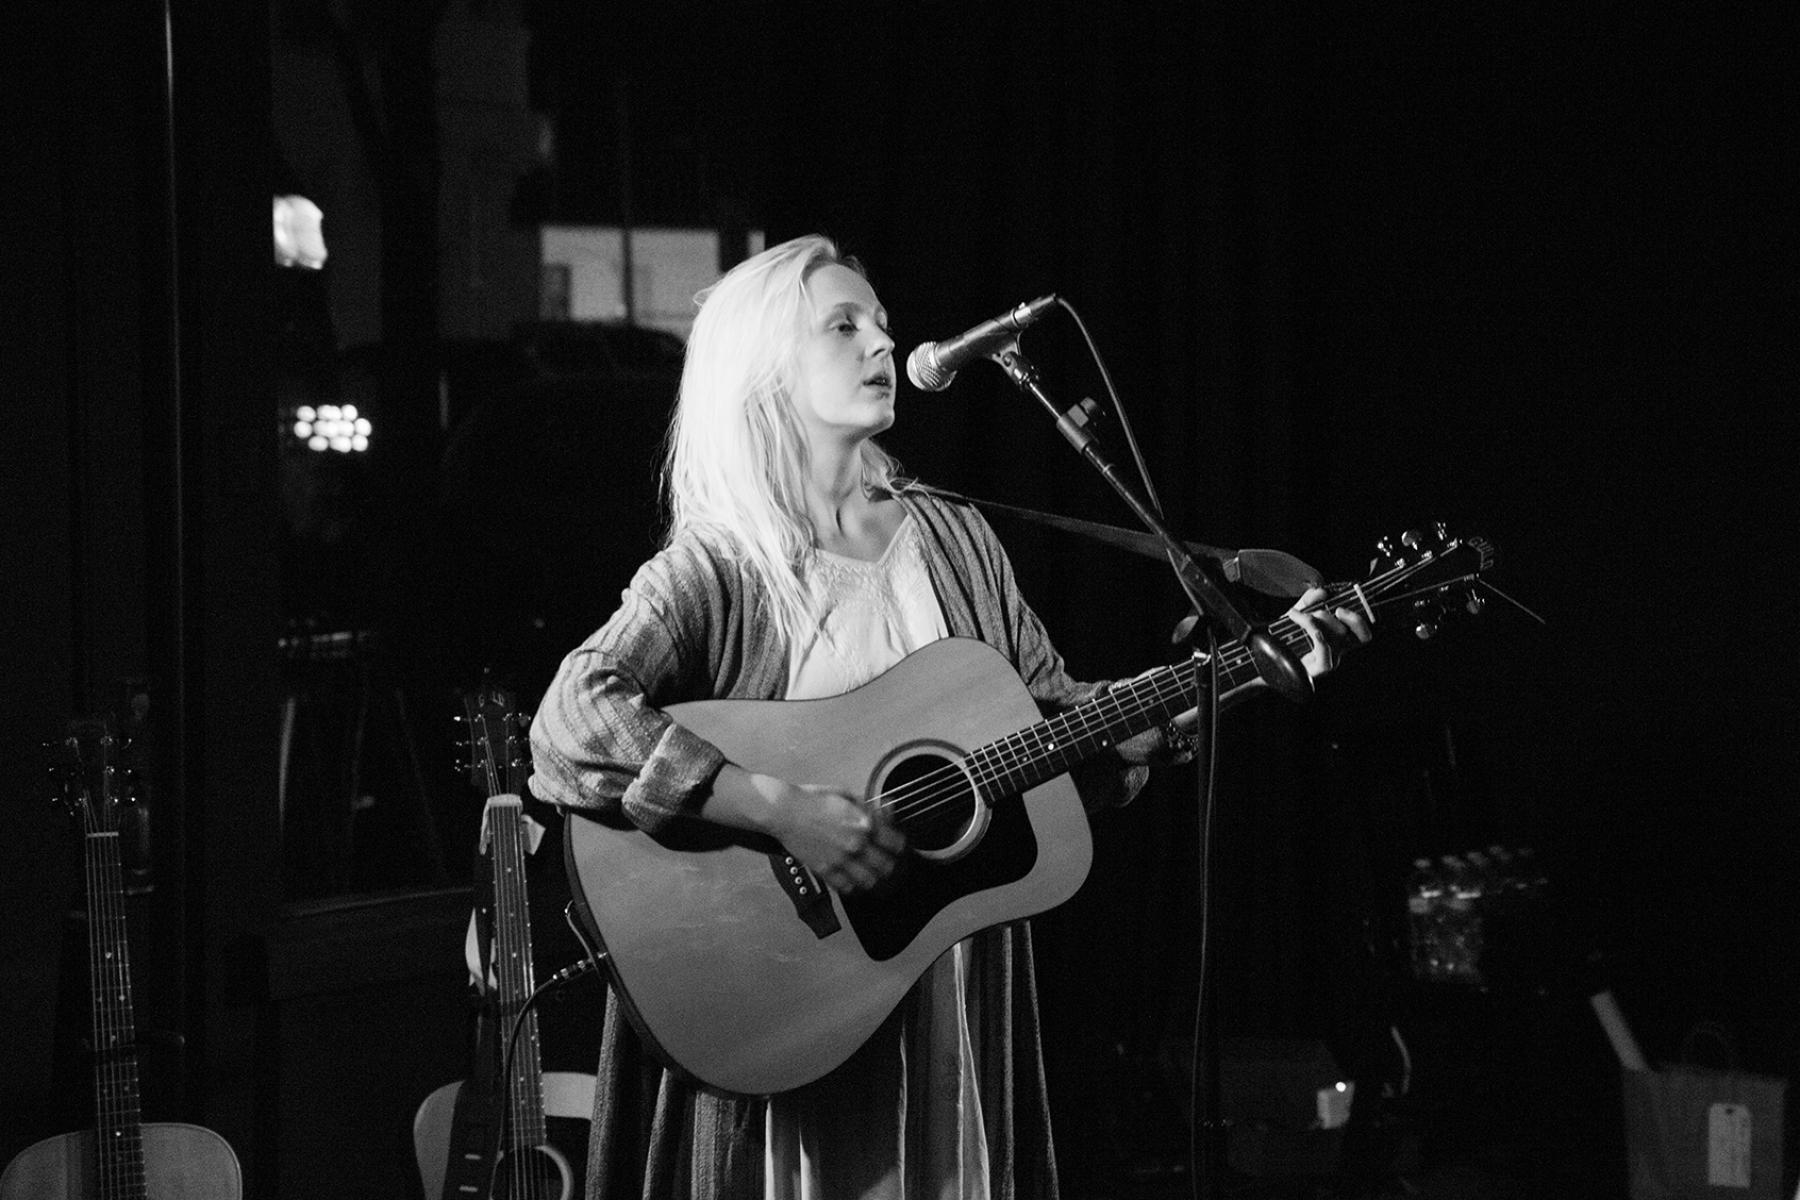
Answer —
901 1120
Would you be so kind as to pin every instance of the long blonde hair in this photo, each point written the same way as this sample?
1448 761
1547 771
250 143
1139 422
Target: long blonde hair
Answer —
736 460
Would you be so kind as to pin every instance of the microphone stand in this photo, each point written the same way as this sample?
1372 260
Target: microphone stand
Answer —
1274 664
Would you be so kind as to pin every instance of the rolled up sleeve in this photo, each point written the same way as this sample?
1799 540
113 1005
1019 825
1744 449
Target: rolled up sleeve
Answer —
600 740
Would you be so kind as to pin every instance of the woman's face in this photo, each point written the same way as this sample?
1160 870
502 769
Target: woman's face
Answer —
844 385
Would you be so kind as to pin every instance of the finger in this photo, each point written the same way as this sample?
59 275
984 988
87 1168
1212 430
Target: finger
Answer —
1355 622
1306 620
878 864
1328 625
1319 659
860 875
887 838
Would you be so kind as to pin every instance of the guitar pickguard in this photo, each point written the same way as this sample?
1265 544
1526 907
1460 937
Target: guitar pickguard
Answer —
887 922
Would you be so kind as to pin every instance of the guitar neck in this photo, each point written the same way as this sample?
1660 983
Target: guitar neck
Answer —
118 1113
1042 752
512 970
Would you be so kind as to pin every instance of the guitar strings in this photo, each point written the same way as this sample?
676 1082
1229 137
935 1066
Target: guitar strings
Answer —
944 786
99 925
523 1080
1156 690
118 1134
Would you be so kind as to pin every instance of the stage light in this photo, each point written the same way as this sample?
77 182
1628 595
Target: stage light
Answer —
341 428
299 233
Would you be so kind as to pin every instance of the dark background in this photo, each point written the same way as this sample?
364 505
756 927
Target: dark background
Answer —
1525 271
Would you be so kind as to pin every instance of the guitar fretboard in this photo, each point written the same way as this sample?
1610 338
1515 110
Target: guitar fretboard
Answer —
1030 757
512 969
1025 759
118 1124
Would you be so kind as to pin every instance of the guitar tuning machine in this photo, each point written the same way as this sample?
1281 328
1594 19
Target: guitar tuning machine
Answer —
1427 616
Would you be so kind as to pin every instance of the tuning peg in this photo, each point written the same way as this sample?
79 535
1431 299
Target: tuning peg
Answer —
1474 603
1425 630
1410 539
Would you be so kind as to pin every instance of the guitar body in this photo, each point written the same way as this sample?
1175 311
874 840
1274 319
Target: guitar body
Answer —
568 1097
181 1162
748 984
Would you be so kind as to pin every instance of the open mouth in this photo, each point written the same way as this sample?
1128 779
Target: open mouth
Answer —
881 380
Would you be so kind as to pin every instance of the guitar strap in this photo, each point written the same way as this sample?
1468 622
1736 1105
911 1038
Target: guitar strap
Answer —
1272 572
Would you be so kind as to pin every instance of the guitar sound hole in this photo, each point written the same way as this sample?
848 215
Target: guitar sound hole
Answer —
533 1173
930 800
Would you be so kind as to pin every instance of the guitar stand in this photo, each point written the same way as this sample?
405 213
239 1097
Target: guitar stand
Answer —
334 695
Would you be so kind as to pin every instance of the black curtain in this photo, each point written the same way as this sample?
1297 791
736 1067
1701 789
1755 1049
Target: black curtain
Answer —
1357 270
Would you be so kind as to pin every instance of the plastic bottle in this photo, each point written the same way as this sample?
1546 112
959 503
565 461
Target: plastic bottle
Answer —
1424 909
1462 933
1506 876
1534 883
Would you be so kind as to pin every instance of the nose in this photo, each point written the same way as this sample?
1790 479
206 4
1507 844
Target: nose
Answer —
879 344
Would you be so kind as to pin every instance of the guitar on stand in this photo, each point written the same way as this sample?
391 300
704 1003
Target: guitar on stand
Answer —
122 1157
488 1136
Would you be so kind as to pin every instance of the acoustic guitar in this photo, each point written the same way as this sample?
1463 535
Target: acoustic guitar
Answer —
747 976
489 1135
122 1157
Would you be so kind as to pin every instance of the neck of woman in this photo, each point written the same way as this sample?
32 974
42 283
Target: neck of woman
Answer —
835 497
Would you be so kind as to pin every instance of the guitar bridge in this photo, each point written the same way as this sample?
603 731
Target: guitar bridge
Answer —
806 893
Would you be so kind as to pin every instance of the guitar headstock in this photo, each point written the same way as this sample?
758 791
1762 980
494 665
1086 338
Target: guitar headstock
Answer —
498 756
1426 576
87 777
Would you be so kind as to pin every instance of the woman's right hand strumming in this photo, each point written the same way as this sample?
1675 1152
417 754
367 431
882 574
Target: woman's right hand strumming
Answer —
836 837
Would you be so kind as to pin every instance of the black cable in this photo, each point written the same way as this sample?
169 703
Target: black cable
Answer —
1204 1123
565 976
1207 778
1137 456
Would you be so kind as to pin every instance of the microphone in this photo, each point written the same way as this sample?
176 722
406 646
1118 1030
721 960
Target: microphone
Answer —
932 365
